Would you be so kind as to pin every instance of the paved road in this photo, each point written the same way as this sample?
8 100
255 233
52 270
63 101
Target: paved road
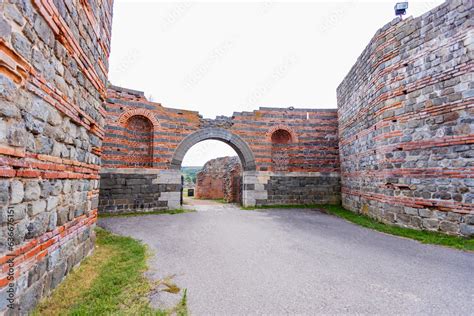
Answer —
298 262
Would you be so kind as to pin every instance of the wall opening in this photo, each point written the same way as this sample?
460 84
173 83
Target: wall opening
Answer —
279 152
139 140
281 136
211 170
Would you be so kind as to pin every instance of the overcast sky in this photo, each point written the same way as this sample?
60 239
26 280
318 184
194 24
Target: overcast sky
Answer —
221 57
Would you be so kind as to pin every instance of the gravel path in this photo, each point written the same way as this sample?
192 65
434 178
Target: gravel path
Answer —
298 262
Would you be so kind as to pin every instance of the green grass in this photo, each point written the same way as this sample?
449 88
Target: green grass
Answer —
182 308
109 282
177 211
423 236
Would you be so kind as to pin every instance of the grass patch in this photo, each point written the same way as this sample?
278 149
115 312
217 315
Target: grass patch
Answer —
109 282
423 236
182 308
177 211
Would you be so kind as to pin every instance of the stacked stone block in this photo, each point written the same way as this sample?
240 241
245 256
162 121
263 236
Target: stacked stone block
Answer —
53 72
137 190
406 123
282 188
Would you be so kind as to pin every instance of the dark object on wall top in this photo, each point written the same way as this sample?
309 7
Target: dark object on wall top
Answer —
401 8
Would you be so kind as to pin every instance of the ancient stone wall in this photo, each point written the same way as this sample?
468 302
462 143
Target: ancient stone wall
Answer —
406 123
312 147
233 183
219 179
131 190
53 73
274 142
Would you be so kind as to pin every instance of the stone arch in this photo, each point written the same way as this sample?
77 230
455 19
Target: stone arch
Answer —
125 116
236 142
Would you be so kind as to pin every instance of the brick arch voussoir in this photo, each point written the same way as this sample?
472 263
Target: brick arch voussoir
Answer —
125 116
294 137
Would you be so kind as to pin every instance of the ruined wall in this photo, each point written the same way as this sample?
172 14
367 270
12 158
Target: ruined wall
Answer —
218 179
406 123
312 147
127 185
53 73
137 190
233 183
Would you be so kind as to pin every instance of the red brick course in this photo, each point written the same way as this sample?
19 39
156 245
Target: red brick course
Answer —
314 145
405 123
53 73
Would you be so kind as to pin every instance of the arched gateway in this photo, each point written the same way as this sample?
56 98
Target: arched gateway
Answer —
236 142
288 155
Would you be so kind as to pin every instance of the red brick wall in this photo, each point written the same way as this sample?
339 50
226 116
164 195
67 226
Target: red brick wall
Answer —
313 146
220 179
170 126
139 141
209 186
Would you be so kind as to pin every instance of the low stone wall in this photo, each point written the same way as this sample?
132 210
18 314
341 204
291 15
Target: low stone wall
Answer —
139 190
145 190
275 188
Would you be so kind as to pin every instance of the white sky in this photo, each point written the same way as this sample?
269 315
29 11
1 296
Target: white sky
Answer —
221 57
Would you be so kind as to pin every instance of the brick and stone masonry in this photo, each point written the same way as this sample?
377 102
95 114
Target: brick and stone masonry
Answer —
220 178
53 74
403 133
406 123
288 155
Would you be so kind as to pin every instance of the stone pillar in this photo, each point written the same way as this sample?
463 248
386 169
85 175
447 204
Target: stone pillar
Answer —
254 191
